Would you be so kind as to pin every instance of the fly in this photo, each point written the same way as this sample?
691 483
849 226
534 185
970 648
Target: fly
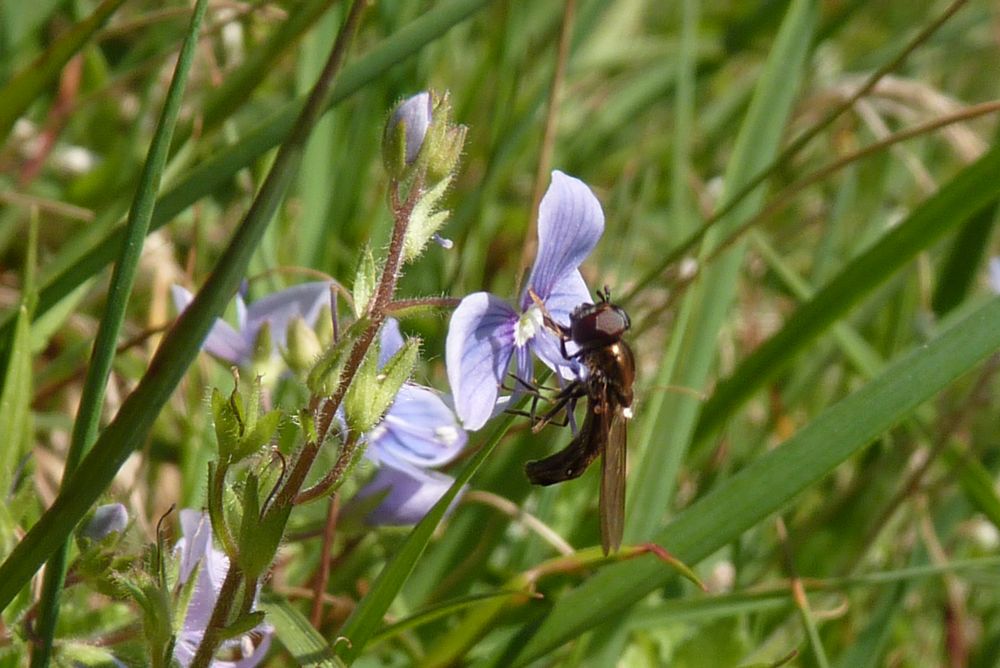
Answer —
596 330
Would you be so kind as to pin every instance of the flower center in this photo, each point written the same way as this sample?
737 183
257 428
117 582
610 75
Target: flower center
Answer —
447 435
528 325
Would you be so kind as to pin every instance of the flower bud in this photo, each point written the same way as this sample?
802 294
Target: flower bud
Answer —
405 132
263 347
303 346
324 326
107 519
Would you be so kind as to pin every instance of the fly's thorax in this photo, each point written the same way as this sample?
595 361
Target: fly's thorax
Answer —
611 370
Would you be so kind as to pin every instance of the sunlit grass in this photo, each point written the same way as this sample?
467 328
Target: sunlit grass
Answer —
805 268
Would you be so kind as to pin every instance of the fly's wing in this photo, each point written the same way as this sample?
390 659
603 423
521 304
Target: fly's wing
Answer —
613 482
573 460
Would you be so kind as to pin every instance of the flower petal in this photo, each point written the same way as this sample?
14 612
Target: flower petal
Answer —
570 222
391 341
196 546
109 518
477 353
995 274
222 341
410 493
195 541
568 293
305 299
419 429
415 114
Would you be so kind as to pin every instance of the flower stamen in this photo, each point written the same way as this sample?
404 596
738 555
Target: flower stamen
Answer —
529 324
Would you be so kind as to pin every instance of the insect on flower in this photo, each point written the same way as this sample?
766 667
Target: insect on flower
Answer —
596 331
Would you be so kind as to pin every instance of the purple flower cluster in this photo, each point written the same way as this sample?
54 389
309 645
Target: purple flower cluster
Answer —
236 345
418 433
486 332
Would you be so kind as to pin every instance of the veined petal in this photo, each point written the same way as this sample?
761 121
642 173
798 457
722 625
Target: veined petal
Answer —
568 293
305 299
418 429
546 347
410 493
195 541
222 341
477 353
570 222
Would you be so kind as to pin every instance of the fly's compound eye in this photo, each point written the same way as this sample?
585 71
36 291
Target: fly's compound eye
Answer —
596 325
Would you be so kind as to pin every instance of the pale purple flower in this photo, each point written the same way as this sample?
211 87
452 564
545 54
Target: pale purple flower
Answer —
418 432
195 548
486 332
236 344
995 274
107 519
410 493
415 114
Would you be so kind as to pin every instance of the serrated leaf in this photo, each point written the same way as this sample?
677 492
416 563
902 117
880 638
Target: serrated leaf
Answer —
261 434
425 220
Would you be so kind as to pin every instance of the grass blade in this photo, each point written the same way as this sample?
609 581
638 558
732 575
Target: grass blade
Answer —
709 300
15 393
105 343
179 348
366 618
769 483
968 192
306 645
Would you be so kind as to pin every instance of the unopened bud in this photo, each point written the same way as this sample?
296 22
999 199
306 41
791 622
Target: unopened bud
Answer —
324 326
263 347
303 346
107 519
405 132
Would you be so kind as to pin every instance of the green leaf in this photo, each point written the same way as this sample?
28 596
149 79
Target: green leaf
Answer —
228 427
769 483
425 220
15 399
373 389
976 482
16 391
260 434
298 636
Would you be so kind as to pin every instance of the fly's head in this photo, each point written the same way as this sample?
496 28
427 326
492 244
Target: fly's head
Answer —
594 326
